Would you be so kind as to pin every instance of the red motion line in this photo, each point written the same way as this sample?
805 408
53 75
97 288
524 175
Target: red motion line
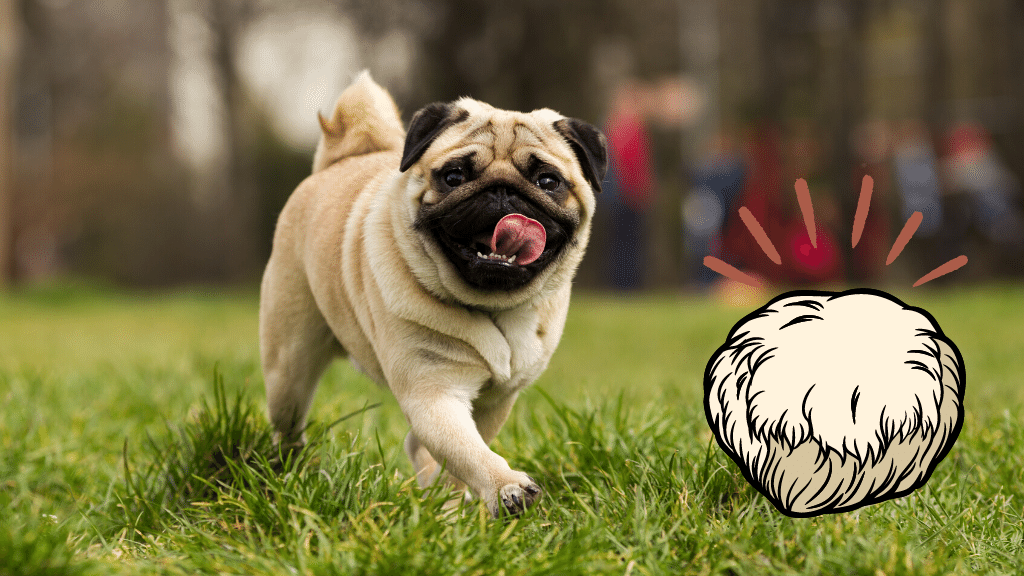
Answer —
730 272
863 204
758 233
905 235
954 264
803 197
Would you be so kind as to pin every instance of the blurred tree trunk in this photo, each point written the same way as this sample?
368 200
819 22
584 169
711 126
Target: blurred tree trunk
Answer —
771 80
235 211
846 166
448 71
935 68
1014 21
8 60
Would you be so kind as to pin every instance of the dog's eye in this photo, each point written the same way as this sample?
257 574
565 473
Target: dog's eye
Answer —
454 177
548 182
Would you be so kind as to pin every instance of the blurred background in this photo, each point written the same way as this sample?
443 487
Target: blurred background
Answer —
153 142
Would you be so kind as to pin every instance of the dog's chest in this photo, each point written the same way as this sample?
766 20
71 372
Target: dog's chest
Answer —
529 355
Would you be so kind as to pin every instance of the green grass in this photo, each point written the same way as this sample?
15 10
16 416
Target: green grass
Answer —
133 441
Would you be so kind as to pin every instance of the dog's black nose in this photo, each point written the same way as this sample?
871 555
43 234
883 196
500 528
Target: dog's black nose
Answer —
499 198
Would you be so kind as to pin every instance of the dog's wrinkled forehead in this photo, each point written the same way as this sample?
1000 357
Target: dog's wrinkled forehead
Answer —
491 135
472 129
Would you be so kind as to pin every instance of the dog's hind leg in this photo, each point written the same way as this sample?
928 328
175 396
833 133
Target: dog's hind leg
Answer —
296 346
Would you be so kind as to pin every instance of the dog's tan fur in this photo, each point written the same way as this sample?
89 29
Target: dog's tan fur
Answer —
351 276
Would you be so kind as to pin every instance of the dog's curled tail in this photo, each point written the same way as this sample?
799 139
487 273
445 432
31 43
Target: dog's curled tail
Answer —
365 119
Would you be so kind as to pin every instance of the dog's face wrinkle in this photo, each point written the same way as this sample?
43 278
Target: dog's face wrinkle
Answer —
537 168
467 217
458 223
528 171
502 166
464 163
450 201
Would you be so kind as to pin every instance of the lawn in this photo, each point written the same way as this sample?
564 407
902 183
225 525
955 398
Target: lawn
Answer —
133 441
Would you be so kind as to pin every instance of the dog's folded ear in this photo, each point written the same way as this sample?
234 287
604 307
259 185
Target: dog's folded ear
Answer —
426 125
590 147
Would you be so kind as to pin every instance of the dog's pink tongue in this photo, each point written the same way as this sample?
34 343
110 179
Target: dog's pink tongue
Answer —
519 235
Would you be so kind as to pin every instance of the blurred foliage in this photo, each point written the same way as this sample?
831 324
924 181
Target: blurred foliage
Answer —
102 188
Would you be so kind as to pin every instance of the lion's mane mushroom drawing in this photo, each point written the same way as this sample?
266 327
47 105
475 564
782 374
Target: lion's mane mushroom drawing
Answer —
833 401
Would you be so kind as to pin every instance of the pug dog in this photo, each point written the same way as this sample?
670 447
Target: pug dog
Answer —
440 262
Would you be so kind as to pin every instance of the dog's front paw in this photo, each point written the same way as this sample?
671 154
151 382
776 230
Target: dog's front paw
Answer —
515 498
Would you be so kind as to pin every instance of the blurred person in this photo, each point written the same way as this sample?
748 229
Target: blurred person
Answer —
762 183
871 145
807 263
804 262
631 184
773 165
675 102
984 194
916 170
716 180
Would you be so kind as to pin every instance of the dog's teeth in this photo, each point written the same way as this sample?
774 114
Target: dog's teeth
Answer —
495 256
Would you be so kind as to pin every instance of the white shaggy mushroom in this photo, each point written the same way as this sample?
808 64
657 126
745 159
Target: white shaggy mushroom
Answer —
833 401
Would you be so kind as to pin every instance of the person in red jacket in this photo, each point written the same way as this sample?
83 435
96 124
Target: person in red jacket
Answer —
631 184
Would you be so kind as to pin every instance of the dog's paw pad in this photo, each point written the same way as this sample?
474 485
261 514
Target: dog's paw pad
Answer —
515 499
